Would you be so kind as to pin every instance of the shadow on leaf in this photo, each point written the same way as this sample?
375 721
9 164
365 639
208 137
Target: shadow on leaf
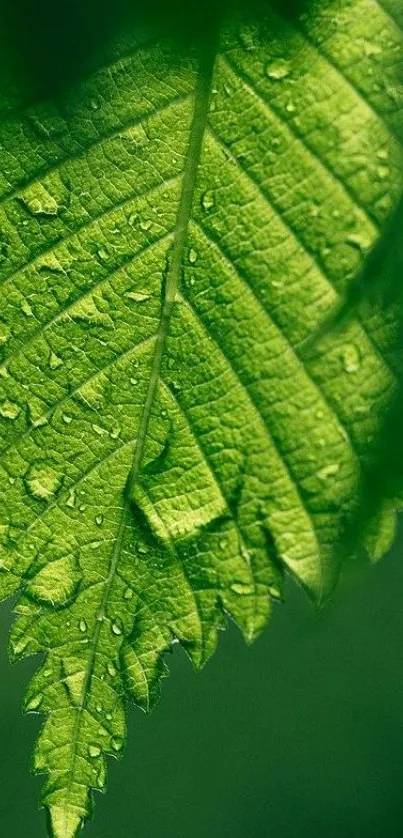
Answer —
47 45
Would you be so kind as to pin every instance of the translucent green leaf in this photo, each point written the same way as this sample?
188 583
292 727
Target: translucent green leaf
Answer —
173 232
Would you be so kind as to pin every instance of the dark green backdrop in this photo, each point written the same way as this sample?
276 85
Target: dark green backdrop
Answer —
301 735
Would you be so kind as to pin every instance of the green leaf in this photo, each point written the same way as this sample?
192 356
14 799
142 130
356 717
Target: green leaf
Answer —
173 231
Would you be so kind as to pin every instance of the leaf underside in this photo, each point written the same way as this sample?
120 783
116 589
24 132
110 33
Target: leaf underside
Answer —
156 297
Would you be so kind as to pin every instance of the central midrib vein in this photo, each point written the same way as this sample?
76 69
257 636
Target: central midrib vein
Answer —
193 155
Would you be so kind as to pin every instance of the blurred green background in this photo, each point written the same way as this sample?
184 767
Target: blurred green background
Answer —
300 735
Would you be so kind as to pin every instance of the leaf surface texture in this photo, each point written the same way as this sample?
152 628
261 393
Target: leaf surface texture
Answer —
246 204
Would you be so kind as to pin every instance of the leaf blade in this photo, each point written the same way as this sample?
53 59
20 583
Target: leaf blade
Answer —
249 449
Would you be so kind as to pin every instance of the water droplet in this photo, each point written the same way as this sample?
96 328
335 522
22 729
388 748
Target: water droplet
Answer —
38 201
242 588
138 296
328 471
71 500
54 361
56 582
208 200
117 626
372 49
98 430
351 358
115 432
103 254
145 224
382 172
278 69
192 256
99 708
37 414
94 104
111 670
128 594
108 717
9 410
87 311
26 308
67 419
82 626
94 751
360 241
117 743
290 108
43 481
99 520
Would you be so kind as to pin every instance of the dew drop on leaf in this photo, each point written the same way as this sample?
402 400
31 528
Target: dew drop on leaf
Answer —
351 359
94 751
382 172
39 202
242 588
138 296
9 410
83 626
117 627
26 308
98 430
278 69
99 520
56 583
192 256
328 471
37 412
207 200
43 481
111 670
103 254
54 361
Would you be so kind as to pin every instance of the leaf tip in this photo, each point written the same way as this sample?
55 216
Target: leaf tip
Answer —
63 822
